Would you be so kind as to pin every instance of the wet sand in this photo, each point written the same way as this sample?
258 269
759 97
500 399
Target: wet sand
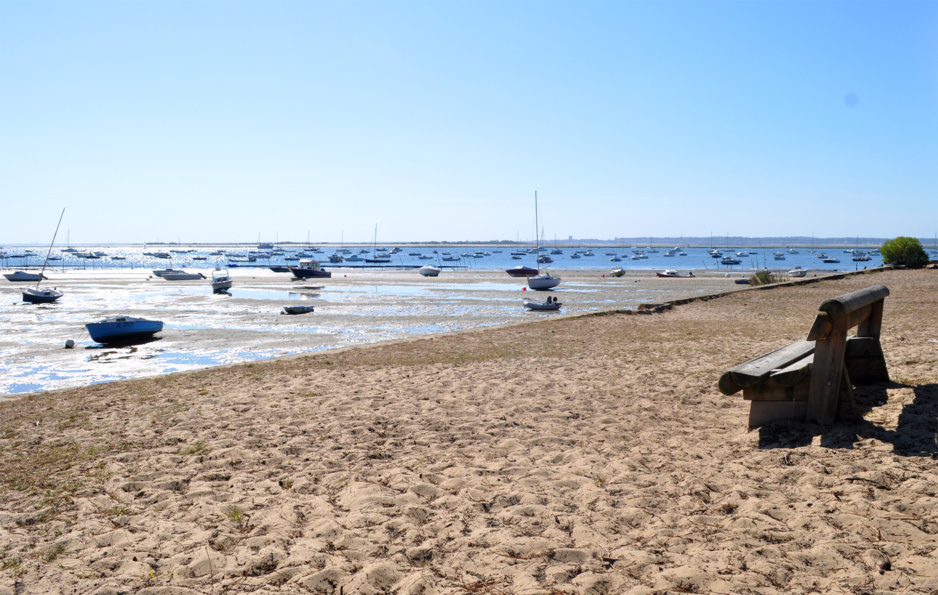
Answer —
579 454
354 307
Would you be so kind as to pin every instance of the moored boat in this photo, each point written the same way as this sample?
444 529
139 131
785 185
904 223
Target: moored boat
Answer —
549 304
543 282
673 273
20 276
308 269
520 271
123 329
221 281
298 309
182 276
34 295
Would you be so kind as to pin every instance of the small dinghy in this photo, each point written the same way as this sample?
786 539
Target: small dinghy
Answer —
550 304
297 309
123 329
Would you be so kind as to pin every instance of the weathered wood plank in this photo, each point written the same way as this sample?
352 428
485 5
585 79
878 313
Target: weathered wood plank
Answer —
827 372
865 360
791 375
854 300
872 326
763 412
765 392
751 372
821 328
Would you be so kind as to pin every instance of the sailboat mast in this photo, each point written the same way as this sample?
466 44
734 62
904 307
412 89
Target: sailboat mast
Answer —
537 238
49 252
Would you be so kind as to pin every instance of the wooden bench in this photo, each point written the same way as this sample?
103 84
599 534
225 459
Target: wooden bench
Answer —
807 379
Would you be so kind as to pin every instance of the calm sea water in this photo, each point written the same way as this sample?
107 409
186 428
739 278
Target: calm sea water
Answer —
472 257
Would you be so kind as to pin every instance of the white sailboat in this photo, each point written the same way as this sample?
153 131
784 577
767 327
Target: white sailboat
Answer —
545 281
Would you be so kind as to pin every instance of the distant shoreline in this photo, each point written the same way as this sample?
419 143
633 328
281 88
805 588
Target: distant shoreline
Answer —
767 243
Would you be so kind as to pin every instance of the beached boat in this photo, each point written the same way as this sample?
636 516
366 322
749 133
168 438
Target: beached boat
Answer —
797 272
617 272
182 276
23 276
549 304
429 271
221 281
35 295
309 269
545 281
520 271
670 273
161 272
123 329
297 309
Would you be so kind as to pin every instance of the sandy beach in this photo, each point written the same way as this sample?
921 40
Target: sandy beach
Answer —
588 453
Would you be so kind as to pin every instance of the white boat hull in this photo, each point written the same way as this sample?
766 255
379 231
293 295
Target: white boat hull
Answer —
543 282
429 271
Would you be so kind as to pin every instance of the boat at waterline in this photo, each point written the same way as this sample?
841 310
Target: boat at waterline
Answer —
221 281
671 273
123 329
298 309
429 271
308 269
21 276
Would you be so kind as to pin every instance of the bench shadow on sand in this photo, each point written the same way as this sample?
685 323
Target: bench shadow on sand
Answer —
916 434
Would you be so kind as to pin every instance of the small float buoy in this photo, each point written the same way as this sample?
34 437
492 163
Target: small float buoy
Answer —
524 289
69 344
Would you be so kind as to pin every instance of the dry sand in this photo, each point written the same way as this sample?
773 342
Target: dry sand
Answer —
588 454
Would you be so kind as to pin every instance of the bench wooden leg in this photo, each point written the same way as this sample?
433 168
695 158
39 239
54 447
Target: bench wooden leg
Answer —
827 372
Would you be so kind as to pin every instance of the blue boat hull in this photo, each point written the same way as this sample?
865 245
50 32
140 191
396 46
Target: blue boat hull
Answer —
123 329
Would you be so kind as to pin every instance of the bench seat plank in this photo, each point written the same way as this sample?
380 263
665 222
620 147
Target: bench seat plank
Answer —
755 370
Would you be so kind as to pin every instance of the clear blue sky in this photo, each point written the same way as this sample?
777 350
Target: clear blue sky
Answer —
229 121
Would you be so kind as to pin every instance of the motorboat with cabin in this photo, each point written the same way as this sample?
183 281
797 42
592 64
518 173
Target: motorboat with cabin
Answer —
221 281
671 273
309 269
23 276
